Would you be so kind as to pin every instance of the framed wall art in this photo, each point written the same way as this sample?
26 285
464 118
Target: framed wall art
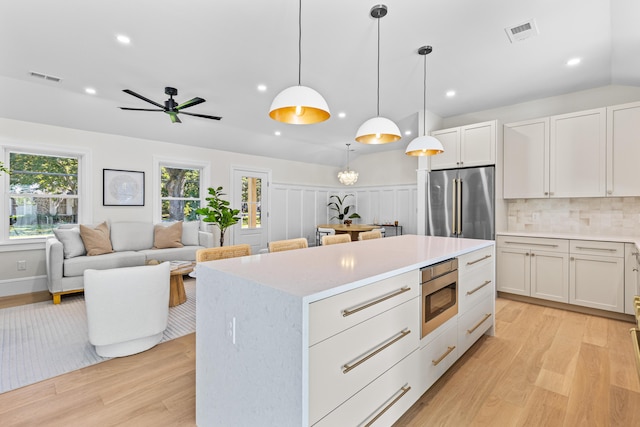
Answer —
122 188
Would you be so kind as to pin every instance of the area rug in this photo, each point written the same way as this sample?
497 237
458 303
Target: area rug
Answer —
42 340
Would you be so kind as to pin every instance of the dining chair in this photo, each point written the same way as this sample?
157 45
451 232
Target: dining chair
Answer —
336 238
223 252
323 231
287 245
368 235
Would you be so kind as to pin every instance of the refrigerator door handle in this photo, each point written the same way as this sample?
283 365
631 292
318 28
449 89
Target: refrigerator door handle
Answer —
459 206
454 207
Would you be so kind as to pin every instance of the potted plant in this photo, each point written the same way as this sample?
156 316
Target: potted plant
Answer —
218 212
342 209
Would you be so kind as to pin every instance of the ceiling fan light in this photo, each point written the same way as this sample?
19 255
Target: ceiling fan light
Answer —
378 130
424 146
299 105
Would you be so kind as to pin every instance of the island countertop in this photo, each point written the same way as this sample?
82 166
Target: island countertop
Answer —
319 272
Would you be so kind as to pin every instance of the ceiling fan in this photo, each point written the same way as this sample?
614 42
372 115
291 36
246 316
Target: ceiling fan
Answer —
170 106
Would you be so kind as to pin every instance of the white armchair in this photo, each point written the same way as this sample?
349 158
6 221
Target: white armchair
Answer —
127 308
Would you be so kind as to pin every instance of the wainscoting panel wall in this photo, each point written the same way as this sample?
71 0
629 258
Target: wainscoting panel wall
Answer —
296 210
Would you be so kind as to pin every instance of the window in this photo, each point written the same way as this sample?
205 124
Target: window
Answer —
43 193
251 209
179 193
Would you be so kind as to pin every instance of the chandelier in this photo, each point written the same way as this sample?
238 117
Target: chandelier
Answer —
348 177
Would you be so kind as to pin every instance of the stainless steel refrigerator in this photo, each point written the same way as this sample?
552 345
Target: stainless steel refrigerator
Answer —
461 203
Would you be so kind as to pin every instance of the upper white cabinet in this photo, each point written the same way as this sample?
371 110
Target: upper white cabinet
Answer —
577 154
590 153
623 150
466 146
526 159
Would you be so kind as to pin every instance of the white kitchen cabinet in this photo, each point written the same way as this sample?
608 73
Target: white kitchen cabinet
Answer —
623 150
466 146
474 323
577 157
561 156
631 276
597 275
526 159
475 278
536 267
439 350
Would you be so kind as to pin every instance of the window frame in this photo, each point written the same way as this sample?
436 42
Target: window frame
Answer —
170 162
85 182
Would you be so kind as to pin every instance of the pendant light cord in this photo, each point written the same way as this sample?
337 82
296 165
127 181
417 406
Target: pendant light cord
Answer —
299 42
378 85
424 100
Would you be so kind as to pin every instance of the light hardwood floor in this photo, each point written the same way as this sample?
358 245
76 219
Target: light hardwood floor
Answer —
544 367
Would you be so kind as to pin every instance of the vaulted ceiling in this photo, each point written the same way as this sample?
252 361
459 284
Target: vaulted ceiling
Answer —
222 51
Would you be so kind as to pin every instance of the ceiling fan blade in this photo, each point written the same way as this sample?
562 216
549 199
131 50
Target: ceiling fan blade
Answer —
204 116
174 117
130 92
139 109
190 103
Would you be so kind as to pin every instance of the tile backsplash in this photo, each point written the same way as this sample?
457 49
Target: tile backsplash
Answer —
616 216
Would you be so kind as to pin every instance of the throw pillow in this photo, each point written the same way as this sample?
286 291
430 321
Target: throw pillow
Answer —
190 233
72 245
167 236
96 240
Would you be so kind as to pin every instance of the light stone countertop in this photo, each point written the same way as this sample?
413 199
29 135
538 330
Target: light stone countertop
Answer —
574 236
322 271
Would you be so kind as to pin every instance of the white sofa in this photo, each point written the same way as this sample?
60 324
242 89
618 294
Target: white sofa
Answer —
127 308
132 244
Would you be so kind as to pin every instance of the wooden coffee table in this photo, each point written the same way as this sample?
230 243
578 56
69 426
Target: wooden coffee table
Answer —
177 294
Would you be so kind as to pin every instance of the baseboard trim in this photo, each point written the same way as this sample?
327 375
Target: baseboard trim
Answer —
569 307
23 285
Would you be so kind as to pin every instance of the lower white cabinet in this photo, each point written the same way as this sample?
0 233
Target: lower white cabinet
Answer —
439 351
534 267
473 324
597 275
631 276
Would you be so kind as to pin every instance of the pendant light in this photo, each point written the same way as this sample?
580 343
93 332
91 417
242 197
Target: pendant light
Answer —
378 130
424 145
299 105
348 177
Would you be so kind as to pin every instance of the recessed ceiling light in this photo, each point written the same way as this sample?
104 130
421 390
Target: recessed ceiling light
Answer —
573 61
123 39
342 115
451 93
407 132
277 133
90 91
262 88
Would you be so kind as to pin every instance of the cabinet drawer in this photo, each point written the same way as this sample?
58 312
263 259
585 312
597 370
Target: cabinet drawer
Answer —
549 245
438 356
475 287
598 248
327 317
342 365
396 390
469 263
473 324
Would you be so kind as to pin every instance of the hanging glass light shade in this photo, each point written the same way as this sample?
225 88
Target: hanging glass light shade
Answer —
348 177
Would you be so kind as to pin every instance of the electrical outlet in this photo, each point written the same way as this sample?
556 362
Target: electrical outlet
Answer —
22 265
230 326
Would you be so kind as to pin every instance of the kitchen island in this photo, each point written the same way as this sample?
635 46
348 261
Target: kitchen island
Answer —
269 327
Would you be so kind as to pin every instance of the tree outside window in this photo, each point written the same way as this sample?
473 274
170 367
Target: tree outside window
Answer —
251 208
43 192
180 193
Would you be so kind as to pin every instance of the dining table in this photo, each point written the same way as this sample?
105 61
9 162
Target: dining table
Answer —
352 230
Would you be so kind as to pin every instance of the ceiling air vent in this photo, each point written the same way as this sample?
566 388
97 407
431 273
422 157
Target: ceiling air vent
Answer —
45 77
522 31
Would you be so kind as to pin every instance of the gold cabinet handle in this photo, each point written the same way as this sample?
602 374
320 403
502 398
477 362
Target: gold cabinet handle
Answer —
346 367
480 259
473 291
586 248
400 291
404 390
531 244
441 358
477 325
